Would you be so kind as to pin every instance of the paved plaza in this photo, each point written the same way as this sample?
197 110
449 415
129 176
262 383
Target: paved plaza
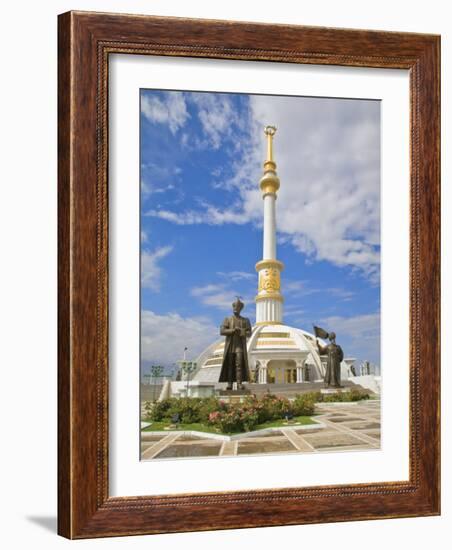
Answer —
341 427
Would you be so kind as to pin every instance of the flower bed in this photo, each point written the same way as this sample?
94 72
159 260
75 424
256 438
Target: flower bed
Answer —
230 417
227 417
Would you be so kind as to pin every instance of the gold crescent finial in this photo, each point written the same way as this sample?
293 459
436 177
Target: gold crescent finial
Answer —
270 130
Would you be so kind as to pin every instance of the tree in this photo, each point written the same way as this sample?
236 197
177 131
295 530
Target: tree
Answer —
156 372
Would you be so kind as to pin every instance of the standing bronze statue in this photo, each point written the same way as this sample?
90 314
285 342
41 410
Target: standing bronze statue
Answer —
235 357
334 354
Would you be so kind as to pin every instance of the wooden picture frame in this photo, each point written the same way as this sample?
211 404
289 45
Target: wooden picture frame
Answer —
85 42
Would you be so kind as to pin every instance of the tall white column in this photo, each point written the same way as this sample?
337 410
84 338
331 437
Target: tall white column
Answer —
269 252
269 300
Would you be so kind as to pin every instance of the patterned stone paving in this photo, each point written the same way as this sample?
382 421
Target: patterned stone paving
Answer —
187 449
347 426
259 445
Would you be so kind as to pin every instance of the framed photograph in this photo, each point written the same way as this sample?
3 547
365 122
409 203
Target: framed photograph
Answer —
248 275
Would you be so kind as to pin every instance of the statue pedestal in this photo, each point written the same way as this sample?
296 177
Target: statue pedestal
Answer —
233 396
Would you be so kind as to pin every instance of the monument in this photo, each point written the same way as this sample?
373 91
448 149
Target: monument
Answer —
237 329
277 353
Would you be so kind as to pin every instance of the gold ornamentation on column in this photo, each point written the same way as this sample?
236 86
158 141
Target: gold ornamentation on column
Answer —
269 280
271 295
270 131
262 264
270 181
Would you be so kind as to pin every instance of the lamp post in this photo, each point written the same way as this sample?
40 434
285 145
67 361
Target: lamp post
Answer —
187 368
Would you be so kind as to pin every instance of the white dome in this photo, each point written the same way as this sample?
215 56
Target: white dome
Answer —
280 348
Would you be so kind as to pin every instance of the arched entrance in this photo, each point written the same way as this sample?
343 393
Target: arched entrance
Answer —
281 371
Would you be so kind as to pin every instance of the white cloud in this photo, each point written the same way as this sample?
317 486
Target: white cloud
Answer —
295 314
170 110
210 216
238 276
341 293
328 156
151 272
206 289
145 188
358 327
220 296
303 288
299 288
161 178
217 116
216 295
149 189
164 337
158 178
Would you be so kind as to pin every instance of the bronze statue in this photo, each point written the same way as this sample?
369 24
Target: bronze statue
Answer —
235 357
334 354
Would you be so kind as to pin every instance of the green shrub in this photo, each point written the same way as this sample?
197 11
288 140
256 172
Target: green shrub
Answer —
188 409
304 404
250 419
338 397
207 406
317 396
226 421
235 418
274 408
159 410
357 394
258 406
148 409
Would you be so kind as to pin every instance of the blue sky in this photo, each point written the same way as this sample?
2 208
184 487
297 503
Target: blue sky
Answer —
201 216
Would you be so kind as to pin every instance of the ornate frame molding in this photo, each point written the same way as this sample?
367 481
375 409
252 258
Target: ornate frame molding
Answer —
85 42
